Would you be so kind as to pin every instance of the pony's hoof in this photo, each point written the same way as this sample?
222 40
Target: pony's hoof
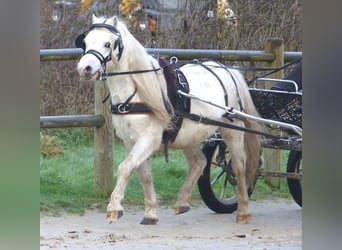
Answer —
181 210
113 216
243 219
149 221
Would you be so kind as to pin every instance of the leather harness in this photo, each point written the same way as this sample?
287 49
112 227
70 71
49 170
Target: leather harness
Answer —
176 80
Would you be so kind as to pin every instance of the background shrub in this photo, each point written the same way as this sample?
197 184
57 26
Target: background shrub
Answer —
63 93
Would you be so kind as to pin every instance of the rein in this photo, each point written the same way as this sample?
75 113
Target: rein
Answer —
104 75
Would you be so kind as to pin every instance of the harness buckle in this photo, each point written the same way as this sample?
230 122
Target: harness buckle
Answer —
123 108
102 76
173 60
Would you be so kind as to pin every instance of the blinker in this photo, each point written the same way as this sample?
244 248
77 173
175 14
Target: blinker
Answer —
79 42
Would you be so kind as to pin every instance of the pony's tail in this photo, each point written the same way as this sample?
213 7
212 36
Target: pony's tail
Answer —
253 153
252 143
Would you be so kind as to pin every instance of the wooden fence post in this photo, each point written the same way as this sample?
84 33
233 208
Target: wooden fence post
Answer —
272 157
103 144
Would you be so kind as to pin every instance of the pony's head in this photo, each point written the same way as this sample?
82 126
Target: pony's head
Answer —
101 44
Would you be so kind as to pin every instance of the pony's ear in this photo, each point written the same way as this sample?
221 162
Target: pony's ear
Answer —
94 18
115 21
111 20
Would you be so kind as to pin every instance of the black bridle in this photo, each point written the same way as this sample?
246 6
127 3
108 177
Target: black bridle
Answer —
118 44
79 42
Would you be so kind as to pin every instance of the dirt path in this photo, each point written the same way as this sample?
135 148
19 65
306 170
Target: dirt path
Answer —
275 224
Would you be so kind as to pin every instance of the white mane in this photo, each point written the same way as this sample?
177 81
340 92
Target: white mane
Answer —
151 87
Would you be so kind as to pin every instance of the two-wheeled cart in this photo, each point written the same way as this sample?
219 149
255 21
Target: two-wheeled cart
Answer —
279 110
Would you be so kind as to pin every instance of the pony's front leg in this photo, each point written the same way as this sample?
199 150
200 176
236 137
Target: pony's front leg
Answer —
145 176
114 208
136 159
196 163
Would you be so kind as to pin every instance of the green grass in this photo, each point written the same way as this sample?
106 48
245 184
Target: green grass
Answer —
66 182
264 191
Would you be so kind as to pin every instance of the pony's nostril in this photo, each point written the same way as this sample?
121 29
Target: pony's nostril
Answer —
88 69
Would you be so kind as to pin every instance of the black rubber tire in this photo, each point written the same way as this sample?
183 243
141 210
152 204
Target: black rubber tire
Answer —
294 166
214 202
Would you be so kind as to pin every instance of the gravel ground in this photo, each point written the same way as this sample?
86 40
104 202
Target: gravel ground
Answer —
275 224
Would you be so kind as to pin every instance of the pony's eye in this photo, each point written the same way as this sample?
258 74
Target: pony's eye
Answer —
107 44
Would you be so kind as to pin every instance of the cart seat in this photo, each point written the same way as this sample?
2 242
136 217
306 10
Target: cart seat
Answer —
278 105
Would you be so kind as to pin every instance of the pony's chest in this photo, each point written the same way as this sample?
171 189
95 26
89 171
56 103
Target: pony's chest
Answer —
129 127
120 91
121 124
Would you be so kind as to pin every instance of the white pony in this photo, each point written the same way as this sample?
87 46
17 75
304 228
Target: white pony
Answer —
142 112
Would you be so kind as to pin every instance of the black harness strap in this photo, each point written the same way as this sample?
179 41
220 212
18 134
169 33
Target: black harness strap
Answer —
104 75
175 80
208 121
129 108
224 89
132 108
234 81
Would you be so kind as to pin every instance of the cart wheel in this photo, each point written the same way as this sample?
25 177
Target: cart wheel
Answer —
218 185
294 166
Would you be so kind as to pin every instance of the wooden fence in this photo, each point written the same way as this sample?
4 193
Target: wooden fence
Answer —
273 54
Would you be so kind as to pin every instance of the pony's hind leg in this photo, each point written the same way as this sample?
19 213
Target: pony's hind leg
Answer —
235 141
196 163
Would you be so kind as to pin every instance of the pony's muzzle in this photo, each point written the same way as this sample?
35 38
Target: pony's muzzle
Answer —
88 67
84 71
87 72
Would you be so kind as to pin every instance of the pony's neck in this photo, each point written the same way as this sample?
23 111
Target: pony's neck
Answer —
138 59
134 58
151 86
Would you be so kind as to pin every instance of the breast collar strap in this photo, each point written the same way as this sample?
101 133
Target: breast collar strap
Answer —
128 108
